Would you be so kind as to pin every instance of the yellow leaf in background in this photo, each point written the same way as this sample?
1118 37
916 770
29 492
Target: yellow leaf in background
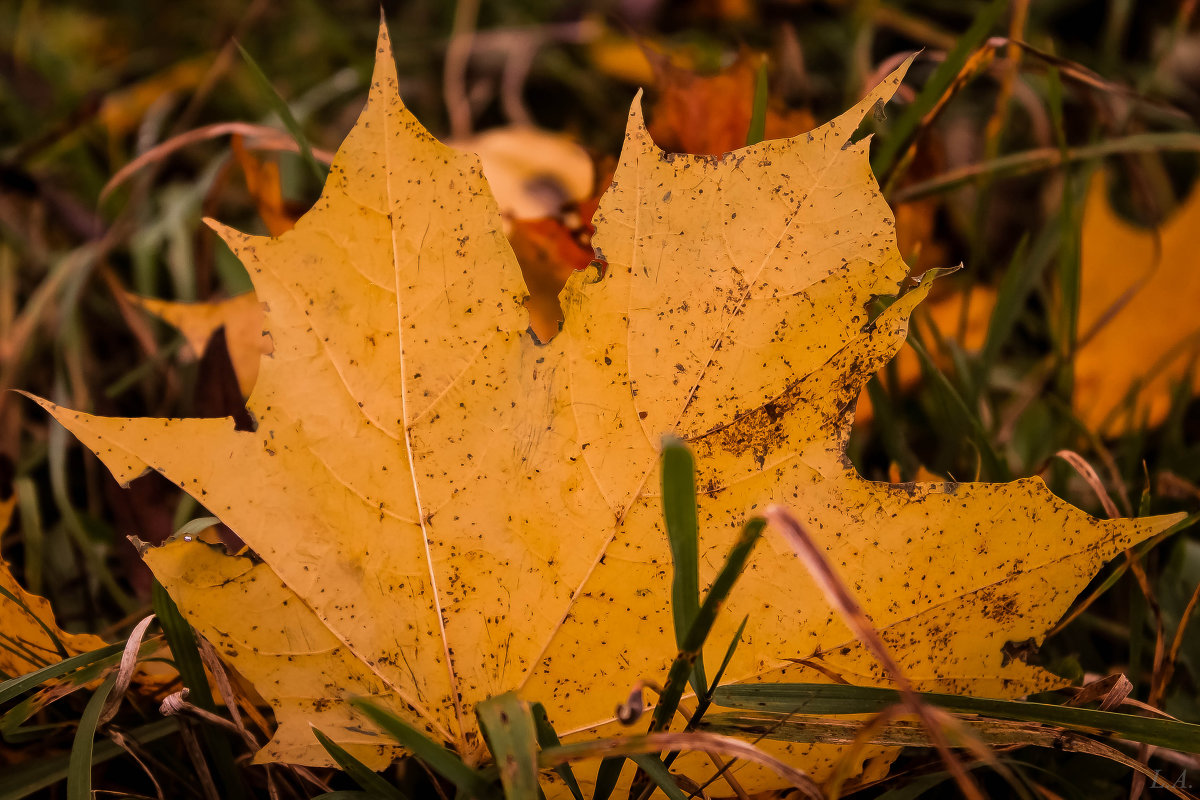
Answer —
625 59
446 510
27 626
532 173
241 317
124 110
265 189
1137 314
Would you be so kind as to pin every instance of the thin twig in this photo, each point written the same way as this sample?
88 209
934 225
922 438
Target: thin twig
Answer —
1089 475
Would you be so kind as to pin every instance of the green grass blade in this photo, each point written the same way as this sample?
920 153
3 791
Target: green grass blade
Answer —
729 651
191 671
997 470
1014 288
14 687
758 115
32 533
280 107
183 649
677 678
507 723
653 766
79 768
1068 269
11 723
683 533
373 785
825 699
607 776
705 701
548 737
20 781
436 757
908 120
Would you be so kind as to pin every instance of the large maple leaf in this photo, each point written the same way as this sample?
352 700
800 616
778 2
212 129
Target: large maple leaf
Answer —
445 509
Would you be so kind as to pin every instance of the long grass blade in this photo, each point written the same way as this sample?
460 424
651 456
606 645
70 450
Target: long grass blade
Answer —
548 737
653 766
729 651
606 776
758 114
824 699
1040 159
372 783
508 725
17 686
436 757
683 534
697 742
280 107
681 668
32 534
191 671
908 121
904 733
1015 286
994 465
79 768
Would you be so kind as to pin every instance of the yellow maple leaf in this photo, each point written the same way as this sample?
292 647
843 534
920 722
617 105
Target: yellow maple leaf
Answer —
1138 295
445 509
29 637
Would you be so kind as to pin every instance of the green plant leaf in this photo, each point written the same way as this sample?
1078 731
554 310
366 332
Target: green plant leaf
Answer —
280 107
372 783
548 737
828 699
681 668
436 757
683 533
105 656
79 768
758 114
191 671
654 767
508 725
906 124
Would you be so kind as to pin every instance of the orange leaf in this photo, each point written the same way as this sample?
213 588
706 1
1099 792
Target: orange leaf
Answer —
1137 314
262 182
